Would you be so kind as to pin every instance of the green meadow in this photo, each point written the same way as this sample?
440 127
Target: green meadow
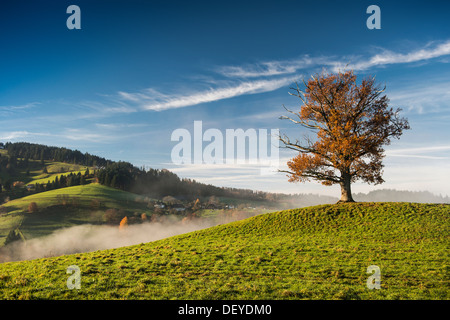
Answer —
66 207
319 252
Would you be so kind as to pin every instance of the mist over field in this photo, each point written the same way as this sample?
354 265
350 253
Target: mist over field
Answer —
88 237
402 196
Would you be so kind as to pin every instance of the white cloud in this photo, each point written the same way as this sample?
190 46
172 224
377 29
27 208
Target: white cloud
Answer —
116 126
20 107
272 68
14 135
429 153
423 97
386 57
389 57
106 108
158 102
83 135
419 150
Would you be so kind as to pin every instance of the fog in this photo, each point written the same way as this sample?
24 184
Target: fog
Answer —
390 195
88 237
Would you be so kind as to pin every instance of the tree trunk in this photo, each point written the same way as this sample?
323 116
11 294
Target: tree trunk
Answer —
346 191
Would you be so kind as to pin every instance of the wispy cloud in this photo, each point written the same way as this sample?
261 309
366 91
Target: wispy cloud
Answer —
389 57
20 107
107 107
429 152
358 63
14 135
83 135
272 68
157 101
117 126
423 97
17 109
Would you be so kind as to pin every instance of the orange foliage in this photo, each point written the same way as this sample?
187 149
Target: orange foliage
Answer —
123 223
32 207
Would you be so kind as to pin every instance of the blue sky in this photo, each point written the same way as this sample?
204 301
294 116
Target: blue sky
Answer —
138 70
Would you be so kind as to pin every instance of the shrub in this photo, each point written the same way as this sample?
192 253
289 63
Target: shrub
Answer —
32 207
111 216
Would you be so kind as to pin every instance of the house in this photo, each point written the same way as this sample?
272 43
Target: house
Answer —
178 207
18 184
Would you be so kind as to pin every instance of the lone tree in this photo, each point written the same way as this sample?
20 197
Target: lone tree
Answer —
32 207
352 123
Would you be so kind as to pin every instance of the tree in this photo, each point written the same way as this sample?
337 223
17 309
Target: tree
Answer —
111 216
32 207
13 235
42 158
352 123
113 181
170 200
123 223
7 185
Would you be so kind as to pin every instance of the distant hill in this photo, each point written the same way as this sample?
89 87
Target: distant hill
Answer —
320 252
67 207
391 195
25 162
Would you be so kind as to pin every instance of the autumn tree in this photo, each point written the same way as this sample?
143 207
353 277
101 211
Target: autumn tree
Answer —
351 122
32 207
123 223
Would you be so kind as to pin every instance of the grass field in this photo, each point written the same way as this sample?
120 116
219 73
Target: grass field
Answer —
85 194
46 177
65 207
319 252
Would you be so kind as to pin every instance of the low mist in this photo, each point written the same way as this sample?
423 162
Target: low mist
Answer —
88 237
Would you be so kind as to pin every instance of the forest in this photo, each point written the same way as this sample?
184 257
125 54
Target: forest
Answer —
155 183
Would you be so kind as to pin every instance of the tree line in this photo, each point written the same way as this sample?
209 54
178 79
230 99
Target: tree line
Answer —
158 183
34 151
68 180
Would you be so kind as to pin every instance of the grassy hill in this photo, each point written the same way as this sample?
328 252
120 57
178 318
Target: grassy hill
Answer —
319 252
66 207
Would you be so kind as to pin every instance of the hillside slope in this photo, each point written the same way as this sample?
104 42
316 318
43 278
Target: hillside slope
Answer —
66 207
319 252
